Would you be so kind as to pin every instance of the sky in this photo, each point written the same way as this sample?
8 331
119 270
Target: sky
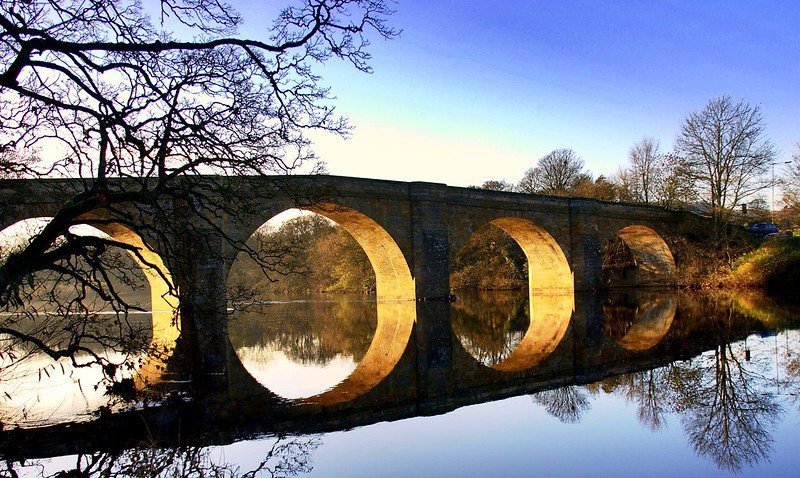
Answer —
477 90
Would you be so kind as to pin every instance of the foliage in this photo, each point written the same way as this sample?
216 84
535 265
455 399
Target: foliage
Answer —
318 256
489 260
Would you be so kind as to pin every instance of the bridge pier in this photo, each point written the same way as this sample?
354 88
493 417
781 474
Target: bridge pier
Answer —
430 243
585 246
203 308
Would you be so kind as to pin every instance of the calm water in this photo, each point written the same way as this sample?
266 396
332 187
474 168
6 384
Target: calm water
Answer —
495 384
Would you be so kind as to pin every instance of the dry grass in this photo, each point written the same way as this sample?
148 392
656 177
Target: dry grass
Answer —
773 267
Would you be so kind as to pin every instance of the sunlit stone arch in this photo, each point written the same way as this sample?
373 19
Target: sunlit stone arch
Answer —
396 306
551 293
163 298
654 262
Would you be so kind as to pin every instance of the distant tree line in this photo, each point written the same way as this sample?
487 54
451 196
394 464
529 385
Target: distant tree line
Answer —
721 165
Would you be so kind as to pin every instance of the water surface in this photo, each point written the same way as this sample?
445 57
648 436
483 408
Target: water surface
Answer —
640 382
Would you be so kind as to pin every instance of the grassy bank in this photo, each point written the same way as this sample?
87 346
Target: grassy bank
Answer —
774 267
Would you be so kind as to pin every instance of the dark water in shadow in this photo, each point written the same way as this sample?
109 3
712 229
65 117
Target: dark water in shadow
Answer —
636 382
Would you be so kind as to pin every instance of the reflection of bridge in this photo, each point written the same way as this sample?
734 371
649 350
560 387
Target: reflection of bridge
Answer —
410 232
425 381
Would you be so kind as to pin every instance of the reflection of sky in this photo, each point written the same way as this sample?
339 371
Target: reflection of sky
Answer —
42 391
517 437
290 379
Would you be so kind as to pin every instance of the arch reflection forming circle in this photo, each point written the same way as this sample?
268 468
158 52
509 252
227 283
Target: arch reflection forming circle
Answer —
645 322
551 294
396 308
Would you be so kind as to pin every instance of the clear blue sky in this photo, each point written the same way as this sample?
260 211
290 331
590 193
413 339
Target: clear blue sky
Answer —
474 90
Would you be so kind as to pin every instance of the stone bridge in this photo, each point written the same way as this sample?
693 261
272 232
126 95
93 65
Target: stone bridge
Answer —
410 232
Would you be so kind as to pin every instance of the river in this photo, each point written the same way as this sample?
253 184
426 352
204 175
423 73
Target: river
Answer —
652 383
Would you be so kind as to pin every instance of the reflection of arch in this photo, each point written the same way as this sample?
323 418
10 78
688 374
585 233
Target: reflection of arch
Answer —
396 307
550 290
395 320
643 324
164 304
651 255
550 316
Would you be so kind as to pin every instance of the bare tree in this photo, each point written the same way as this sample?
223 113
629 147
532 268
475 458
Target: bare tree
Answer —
790 183
726 154
653 177
142 109
558 173
497 185
644 160
673 184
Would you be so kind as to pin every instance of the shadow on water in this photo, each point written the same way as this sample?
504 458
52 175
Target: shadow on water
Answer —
703 361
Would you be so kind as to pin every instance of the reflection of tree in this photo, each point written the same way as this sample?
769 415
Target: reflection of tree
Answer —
728 414
650 391
309 331
283 458
568 404
792 378
724 407
490 325
723 402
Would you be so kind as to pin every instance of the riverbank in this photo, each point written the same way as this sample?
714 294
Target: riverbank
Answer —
774 267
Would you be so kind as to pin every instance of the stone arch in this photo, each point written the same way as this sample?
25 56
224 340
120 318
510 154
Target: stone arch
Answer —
392 275
396 306
164 302
652 261
548 268
550 290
